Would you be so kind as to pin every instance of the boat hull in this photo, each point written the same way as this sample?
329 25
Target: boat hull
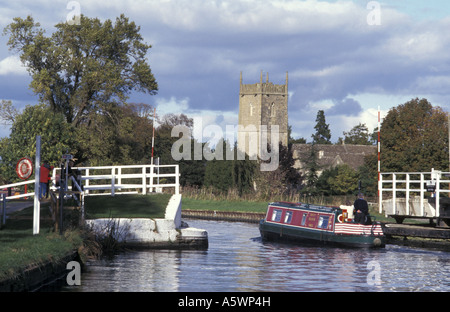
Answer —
276 232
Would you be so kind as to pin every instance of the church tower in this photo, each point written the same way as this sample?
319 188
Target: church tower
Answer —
262 104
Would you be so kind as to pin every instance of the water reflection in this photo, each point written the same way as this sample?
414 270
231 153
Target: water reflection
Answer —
237 260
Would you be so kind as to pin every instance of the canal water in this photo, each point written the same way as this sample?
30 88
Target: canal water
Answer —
238 260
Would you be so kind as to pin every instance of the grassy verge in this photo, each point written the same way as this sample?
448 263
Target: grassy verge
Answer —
20 249
126 206
247 206
223 205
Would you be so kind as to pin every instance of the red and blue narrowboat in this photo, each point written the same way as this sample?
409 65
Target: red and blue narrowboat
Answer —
304 223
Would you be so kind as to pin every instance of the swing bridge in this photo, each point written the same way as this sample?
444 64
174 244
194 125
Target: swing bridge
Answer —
95 181
418 195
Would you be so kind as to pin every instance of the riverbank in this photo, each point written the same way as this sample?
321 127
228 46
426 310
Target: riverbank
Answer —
21 251
28 261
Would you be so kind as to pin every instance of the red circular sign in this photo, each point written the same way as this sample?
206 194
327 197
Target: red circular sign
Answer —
24 168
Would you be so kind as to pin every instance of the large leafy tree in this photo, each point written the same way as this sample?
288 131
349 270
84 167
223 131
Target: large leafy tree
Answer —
124 139
86 72
414 138
83 68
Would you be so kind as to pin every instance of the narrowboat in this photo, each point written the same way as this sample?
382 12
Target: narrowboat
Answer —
304 223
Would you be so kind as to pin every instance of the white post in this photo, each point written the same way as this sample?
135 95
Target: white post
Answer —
152 174
144 180
86 175
177 180
394 193
37 203
407 194
113 182
438 190
380 192
422 194
119 173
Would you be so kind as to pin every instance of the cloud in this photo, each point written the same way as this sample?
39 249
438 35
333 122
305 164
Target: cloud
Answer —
335 59
12 65
347 106
167 106
205 121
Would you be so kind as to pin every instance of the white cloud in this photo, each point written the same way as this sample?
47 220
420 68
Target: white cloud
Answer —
12 66
329 50
204 120
171 106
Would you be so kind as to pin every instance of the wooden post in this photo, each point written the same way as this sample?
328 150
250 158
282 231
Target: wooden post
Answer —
56 213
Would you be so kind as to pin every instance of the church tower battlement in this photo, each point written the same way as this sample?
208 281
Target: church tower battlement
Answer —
262 104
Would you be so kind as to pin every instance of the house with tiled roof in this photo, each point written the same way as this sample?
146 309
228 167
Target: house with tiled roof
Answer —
330 155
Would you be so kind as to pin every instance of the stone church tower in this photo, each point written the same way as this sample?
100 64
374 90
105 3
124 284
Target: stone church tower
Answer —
262 104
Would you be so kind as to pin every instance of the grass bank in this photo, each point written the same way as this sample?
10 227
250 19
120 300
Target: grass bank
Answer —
258 206
223 205
20 249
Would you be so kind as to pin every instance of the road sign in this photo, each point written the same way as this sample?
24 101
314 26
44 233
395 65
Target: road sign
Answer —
24 168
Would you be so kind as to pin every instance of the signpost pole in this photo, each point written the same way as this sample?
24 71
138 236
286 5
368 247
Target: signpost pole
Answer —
37 203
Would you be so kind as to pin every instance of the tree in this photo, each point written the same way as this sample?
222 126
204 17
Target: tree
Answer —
124 139
339 180
282 180
219 172
312 168
345 180
85 68
243 172
8 112
192 171
323 134
291 176
56 138
291 140
414 138
368 175
357 135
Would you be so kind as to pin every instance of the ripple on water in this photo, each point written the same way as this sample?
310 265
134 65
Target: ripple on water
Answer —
238 260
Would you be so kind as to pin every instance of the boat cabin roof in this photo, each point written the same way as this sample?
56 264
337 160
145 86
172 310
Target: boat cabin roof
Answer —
303 206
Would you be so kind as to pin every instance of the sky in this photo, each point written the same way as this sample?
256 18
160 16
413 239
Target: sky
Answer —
346 57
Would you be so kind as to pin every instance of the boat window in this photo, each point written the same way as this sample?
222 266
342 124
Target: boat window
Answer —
288 217
276 215
323 222
304 219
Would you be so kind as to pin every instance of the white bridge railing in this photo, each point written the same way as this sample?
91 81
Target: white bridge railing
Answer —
405 192
112 180
13 185
107 180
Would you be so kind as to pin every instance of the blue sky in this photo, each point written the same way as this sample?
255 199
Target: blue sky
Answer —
337 61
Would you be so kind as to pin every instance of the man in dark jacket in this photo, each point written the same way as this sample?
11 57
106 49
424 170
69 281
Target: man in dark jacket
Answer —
361 210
